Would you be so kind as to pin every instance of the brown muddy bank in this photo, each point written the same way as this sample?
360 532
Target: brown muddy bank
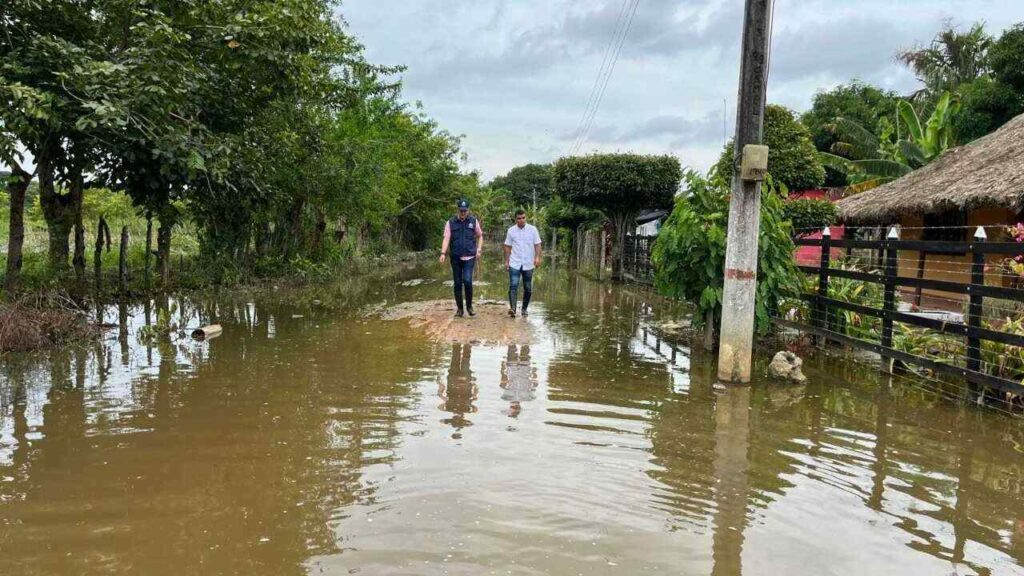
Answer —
33 324
436 318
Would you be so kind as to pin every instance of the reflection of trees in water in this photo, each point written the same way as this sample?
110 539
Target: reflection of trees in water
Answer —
890 446
220 445
864 438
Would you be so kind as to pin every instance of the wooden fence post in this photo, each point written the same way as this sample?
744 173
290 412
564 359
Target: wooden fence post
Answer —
826 256
122 261
601 250
889 303
974 310
149 246
97 262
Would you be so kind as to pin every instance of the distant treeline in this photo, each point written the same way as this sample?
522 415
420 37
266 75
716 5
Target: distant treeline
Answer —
259 122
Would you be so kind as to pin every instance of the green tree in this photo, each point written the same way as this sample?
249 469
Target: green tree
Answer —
992 100
869 161
620 186
986 104
857 101
792 159
1007 58
865 104
528 185
952 59
807 216
689 254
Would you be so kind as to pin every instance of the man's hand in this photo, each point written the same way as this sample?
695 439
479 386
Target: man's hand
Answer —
479 253
507 267
442 258
536 262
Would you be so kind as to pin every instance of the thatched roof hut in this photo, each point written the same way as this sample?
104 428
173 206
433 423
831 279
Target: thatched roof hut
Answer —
987 173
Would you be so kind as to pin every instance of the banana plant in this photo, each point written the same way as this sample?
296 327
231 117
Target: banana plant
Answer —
869 160
924 144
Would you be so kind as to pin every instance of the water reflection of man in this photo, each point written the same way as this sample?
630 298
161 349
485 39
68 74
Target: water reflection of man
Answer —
518 379
459 389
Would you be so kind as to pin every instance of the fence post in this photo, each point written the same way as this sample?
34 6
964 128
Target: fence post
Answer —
601 250
122 261
889 303
98 254
821 309
974 310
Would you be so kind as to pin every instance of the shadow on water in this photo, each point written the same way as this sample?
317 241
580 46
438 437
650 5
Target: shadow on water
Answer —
311 439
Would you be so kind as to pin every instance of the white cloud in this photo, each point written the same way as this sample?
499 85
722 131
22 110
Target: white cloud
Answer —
515 76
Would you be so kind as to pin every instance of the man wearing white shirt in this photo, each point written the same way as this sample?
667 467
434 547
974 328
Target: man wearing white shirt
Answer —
522 255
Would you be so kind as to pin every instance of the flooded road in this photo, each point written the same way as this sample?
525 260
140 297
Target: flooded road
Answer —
309 439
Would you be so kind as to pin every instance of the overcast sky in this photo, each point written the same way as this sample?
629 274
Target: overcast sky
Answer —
514 76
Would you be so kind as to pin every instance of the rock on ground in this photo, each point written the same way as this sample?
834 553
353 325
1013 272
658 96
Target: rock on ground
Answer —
787 365
436 318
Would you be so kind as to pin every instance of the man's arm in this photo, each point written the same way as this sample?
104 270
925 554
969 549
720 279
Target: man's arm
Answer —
447 239
508 248
536 249
479 239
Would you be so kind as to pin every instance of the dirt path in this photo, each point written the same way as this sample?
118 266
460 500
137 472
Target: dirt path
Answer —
436 318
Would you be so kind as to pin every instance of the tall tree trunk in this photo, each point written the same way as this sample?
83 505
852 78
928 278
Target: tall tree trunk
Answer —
75 214
319 231
619 221
295 237
163 246
16 188
55 210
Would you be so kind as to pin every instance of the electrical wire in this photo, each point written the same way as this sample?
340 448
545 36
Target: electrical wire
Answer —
600 73
607 78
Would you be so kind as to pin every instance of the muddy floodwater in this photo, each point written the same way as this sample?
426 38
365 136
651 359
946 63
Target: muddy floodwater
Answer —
311 438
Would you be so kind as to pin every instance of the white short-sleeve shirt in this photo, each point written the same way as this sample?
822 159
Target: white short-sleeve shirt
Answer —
522 240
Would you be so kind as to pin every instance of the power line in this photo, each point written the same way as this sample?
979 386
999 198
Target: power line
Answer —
600 73
608 76
617 41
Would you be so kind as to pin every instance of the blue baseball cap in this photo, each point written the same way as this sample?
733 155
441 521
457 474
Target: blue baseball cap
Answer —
463 205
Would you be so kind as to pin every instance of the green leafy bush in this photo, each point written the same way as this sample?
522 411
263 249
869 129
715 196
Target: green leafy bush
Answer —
809 215
689 254
792 159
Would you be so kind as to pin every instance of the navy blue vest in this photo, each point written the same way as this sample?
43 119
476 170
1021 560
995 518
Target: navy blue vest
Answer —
463 241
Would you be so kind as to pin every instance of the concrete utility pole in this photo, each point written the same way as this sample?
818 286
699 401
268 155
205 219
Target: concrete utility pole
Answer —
737 328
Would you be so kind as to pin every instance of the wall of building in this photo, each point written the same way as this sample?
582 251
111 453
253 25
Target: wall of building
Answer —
951 267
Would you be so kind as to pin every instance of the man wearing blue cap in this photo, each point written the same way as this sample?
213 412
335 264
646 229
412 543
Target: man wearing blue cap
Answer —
465 237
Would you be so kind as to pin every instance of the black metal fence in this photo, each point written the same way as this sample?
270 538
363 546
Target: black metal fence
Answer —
636 255
984 351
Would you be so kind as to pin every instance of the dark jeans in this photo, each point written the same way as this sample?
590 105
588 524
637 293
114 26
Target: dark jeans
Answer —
514 274
462 276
